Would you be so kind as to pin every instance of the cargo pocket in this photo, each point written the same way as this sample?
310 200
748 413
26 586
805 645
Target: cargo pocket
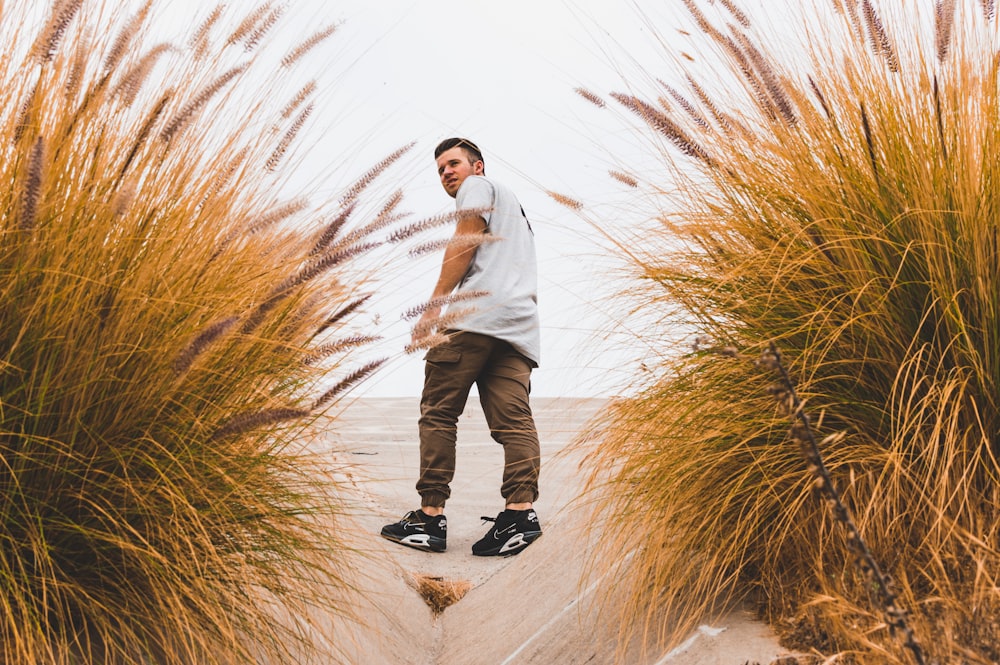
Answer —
440 355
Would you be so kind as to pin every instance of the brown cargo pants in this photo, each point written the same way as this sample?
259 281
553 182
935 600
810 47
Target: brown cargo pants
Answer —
503 377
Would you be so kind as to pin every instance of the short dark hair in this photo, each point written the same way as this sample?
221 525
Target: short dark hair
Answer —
470 148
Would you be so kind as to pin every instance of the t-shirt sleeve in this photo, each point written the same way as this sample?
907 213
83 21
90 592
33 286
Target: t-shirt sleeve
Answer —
475 193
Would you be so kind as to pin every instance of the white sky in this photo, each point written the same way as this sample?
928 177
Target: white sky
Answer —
502 73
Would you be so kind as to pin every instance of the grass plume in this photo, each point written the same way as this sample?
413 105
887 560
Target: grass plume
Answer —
307 45
862 238
181 118
32 186
364 181
590 97
156 504
352 379
443 301
623 178
427 224
199 38
287 139
296 101
565 201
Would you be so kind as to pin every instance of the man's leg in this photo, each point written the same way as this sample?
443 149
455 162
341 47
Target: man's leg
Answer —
450 370
504 385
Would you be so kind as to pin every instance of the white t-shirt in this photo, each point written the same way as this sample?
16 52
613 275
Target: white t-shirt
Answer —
505 267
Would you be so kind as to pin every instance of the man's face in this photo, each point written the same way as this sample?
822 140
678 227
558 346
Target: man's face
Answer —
454 167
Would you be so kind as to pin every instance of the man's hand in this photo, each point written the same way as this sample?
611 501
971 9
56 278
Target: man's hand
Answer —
426 325
457 259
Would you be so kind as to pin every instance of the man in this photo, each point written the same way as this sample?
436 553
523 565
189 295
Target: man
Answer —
494 347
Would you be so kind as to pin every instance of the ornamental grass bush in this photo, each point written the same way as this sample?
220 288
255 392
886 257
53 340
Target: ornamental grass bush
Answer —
828 184
171 324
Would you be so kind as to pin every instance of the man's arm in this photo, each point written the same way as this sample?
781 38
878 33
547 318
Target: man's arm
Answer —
455 264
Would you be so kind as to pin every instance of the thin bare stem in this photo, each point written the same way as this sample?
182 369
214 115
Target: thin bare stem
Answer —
802 433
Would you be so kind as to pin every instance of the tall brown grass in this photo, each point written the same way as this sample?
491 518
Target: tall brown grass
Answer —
841 201
172 323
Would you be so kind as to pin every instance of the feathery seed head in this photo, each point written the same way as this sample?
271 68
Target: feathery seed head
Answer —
664 125
590 97
624 178
565 201
253 39
199 39
341 314
286 140
179 120
368 178
299 51
348 381
62 15
436 303
249 24
429 223
32 186
466 241
246 422
125 37
198 345
296 101
332 229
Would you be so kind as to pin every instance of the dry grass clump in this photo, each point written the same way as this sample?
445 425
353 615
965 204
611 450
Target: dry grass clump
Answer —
438 592
171 323
841 202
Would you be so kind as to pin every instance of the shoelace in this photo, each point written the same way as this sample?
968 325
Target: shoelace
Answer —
488 519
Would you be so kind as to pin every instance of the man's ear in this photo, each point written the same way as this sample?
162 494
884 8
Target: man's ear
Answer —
478 168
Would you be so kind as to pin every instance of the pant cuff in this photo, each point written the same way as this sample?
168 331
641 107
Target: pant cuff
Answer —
433 499
522 496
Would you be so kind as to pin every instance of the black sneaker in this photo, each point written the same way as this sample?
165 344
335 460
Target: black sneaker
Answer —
419 530
512 531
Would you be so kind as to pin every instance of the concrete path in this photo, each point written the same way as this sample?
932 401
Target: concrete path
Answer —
538 608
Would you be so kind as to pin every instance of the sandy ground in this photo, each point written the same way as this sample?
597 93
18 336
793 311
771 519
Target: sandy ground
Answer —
538 608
